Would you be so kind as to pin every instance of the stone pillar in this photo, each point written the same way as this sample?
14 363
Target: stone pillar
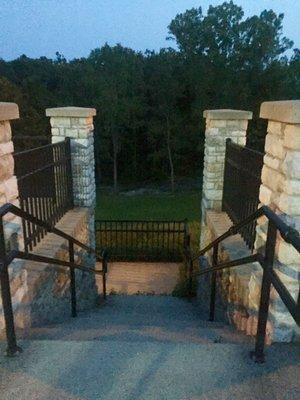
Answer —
77 124
220 125
9 194
8 182
280 190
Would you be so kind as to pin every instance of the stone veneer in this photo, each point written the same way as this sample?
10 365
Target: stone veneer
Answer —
9 189
233 283
280 190
77 124
8 182
233 289
41 292
220 125
240 288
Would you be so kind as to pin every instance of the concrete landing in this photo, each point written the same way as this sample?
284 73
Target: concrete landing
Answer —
146 348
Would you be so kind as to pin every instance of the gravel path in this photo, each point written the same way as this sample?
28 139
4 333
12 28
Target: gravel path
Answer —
140 347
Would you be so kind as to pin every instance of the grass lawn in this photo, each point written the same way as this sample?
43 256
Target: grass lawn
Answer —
164 206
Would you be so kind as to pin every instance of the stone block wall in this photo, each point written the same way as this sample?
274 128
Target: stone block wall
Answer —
8 182
280 190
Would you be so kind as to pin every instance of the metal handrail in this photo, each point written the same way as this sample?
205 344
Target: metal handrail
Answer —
11 208
7 258
266 261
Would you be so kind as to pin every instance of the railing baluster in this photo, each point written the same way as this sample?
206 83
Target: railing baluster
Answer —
45 186
212 306
242 178
12 347
189 260
69 172
72 280
104 271
268 261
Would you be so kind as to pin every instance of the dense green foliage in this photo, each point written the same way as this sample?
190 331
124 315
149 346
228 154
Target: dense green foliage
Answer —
177 206
149 124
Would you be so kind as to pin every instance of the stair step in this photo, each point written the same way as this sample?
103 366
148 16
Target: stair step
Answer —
118 369
138 319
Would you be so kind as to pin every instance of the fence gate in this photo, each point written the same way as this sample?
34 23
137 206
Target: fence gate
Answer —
242 179
142 240
45 186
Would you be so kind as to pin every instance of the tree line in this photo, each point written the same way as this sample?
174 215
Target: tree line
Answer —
149 123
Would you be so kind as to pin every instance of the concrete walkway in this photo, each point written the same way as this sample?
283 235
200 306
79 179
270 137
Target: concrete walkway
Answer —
145 347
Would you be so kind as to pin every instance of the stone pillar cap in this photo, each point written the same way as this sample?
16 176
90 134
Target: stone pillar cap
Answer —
227 114
76 112
9 111
287 111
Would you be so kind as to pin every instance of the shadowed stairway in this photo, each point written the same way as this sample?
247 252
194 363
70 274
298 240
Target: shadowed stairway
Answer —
146 347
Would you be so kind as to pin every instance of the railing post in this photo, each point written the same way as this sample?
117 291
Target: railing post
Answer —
12 347
258 353
188 257
227 144
72 280
191 269
69 171
212 306
190 264
104 269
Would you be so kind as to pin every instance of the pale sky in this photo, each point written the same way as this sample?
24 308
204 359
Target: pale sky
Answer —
74 27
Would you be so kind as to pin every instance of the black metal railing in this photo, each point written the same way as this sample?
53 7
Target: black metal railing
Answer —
26 142
45 186
265 257
7 256
242 179
142 240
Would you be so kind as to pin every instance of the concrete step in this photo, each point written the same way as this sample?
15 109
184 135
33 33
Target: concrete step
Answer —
146 370
141 318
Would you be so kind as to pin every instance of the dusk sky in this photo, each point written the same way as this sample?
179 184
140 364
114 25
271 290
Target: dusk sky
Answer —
74 27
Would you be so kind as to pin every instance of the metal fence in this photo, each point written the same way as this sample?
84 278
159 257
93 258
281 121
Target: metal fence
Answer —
45 186
242 179
142 240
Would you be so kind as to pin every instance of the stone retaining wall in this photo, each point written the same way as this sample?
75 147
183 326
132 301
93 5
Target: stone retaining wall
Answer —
233 284
240 287
41 292
280 190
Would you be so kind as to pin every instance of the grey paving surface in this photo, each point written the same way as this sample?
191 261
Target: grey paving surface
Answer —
145 348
